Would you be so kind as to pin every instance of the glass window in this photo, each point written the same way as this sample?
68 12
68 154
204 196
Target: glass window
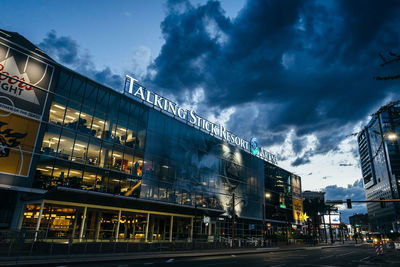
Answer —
120 134
77 89
101 180
141 137
89 178
75 176
44 172
72 119
93 153
50 140
80 148
60 173
113 185
90 95
117 161
66 144
57 111
85 118
64 83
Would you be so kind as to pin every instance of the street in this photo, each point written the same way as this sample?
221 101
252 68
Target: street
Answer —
340 256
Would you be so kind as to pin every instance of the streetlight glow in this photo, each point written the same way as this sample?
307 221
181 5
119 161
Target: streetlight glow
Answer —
392 136
268 195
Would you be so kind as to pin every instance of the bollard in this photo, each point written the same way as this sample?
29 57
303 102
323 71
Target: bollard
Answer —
381 249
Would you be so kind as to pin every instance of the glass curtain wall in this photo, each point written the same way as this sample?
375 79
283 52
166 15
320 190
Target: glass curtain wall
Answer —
94 139
279 204
185 166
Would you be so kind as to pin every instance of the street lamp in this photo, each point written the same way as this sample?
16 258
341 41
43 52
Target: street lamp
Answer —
392 136
267 196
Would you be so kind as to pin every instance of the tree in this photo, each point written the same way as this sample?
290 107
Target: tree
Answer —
390 59
315 208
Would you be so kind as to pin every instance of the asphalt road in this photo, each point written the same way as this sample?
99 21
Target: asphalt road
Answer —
340 256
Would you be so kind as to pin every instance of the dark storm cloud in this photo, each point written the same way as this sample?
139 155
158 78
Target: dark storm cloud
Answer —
64 48
313 61
353 191
66 51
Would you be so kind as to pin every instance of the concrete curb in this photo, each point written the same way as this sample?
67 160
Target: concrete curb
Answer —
159 255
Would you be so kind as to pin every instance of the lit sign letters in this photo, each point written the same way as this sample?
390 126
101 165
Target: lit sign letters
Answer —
190 116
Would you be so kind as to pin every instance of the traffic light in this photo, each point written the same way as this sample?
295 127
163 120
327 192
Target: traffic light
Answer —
348 201
383 204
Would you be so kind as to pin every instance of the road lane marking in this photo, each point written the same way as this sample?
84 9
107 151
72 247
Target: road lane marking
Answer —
170 260
366 258
278 265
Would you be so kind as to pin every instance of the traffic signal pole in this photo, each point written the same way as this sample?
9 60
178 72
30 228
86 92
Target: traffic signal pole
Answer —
361 201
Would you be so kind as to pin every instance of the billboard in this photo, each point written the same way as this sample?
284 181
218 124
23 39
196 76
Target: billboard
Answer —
298 210
296 185
17 142
335 219
24 84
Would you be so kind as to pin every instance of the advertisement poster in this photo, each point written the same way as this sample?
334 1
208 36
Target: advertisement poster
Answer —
335 219
298 210
24 85
17 142
24 82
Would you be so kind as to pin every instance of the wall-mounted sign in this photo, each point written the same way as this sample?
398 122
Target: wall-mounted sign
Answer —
17 142
24 84
206 219
192 118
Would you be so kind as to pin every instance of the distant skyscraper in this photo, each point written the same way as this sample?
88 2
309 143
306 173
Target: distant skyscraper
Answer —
380 164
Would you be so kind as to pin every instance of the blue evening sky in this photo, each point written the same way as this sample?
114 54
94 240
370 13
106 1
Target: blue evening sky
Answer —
110 30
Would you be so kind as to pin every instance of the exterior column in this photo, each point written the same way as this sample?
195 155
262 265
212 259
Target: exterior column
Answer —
147 227
98 225
38 220
191 229
83 224
117 230
171 228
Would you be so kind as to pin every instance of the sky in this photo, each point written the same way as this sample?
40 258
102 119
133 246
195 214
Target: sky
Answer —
298 75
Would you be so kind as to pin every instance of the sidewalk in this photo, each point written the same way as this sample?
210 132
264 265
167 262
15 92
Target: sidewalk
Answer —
62 259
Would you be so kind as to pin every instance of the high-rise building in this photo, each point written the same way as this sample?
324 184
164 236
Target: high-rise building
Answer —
380 166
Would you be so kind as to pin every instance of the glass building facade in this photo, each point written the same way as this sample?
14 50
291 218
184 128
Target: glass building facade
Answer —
107 166
380 165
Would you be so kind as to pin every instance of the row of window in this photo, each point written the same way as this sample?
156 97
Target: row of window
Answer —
73 146
51 172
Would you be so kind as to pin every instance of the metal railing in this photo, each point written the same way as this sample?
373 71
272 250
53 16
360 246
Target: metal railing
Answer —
35 243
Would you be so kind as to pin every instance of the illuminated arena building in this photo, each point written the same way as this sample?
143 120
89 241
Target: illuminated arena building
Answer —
81 161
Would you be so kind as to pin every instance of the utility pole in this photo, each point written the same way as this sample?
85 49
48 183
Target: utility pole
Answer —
233 220
263 216
330 225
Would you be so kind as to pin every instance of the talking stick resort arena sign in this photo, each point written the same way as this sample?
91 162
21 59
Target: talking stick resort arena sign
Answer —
24 84
190 116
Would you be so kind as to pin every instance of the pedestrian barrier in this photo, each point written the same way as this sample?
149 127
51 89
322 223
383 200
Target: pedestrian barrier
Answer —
379 249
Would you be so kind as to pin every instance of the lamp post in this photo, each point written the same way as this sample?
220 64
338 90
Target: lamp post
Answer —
267 196
391 136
